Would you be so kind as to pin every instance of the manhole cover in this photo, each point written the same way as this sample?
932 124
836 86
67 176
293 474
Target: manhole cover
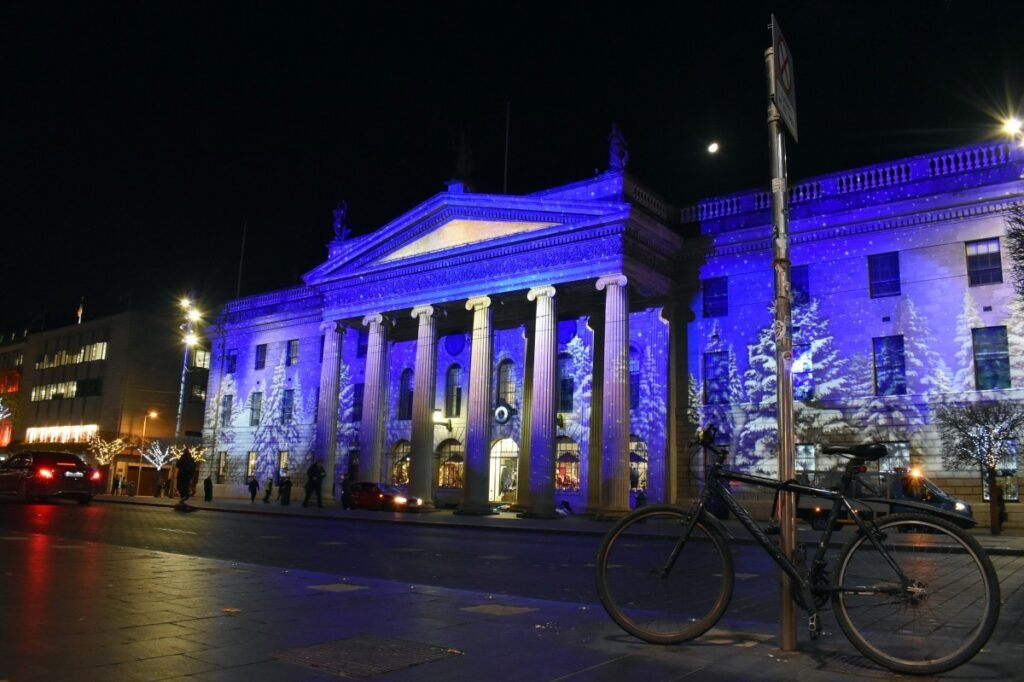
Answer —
365 656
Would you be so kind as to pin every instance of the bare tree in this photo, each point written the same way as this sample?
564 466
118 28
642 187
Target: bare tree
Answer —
980 435
1015 245
104 452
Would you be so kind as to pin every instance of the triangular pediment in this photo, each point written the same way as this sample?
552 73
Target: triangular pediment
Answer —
463 232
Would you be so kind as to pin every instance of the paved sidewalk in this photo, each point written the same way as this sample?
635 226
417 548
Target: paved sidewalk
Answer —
1009 543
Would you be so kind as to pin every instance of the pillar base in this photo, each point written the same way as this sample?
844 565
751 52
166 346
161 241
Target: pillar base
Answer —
539 515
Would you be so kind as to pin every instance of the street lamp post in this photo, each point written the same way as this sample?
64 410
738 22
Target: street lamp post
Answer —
152 414
191 317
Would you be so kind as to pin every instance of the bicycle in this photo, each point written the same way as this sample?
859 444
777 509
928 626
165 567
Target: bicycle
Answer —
911 591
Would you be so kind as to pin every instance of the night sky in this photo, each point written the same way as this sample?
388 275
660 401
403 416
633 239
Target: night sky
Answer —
139 140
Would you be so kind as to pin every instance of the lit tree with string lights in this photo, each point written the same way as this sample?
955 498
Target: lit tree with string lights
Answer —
104 451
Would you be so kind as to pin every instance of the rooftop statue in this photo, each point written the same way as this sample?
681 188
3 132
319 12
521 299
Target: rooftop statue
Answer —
618 150
341 230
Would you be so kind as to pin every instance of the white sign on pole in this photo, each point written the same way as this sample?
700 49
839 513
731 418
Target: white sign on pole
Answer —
783 86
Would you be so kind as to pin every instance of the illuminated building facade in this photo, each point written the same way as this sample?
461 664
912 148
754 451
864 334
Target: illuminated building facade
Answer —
479 349
100 378
12 359
903 302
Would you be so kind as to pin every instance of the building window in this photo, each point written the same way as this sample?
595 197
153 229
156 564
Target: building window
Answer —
453 391
567 465
800 285
506 383
405 395
292 353
362 343
255 408
638 463
566 383
201 359
716 297
250 464
452 457
634 378
261 356
803 372
400 457
984 264
890 366
898 457
222 466
357 402
716 378
884 274
198 393
287 405
806 461
991 358
282 463
231 362
226 402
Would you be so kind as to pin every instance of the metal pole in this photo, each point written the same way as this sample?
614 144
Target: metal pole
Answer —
142 446
184 377
783 357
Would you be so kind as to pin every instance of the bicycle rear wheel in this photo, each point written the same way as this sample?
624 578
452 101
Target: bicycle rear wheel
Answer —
653 597
935 618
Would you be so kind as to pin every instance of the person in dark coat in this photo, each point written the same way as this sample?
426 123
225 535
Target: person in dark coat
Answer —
208 489
346 492
314 483
254 487
285 492
269 491
186 470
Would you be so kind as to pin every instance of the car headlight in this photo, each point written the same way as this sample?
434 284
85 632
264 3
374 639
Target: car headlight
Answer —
400 500
960 506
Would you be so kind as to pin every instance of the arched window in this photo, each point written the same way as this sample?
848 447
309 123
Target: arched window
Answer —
637 464
453 466
506 383
453 392
405 395
400 457
567 464
566 383
634 377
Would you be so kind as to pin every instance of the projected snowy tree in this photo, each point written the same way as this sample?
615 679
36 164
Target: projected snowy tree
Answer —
5 412
722 394
981 435
280 417
926 370
1015 247
966 321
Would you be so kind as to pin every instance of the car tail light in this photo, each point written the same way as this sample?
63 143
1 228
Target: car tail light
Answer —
95 476
45 473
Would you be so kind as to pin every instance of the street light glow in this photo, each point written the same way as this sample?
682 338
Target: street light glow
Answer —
713 148
1012 126
191 339
185 303
193 314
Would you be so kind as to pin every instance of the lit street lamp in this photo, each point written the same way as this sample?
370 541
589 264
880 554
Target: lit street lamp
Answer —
152 414
191 317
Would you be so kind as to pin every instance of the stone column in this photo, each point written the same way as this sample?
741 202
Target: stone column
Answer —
615 403
421 471
478 424
543 405
523 489
327 407
371 429
594 453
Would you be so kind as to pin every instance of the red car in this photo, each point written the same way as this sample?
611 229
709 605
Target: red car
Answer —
31 475
369 495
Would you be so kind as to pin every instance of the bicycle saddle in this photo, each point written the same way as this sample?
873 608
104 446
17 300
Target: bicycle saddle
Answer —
867 451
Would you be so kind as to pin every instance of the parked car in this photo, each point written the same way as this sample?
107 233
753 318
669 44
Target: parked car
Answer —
32 475
377 496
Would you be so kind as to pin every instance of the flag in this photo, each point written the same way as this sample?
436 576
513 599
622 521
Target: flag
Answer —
81 309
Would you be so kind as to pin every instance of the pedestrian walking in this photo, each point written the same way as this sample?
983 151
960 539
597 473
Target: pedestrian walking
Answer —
208 489
117 484
314 483
254 487
186 470
269 491
285 491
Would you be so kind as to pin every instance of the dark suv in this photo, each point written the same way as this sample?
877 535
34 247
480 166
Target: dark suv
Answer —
31 475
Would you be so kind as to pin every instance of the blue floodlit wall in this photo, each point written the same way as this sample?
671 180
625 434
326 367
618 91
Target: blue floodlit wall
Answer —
924 208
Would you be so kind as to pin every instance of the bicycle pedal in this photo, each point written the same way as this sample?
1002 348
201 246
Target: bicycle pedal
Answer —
812 626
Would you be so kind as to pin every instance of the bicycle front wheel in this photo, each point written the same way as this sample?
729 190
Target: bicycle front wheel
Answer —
656 584
932 615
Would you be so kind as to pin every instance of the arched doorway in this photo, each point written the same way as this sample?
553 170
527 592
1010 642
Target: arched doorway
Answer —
504 475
